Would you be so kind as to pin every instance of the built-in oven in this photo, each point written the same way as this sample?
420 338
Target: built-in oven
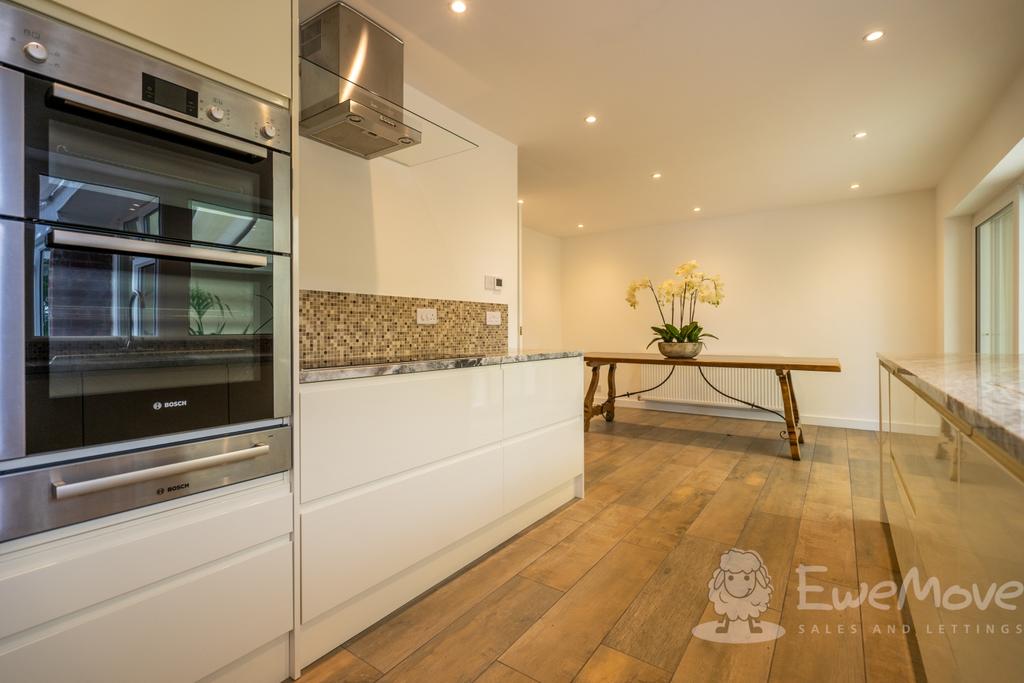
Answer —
145 279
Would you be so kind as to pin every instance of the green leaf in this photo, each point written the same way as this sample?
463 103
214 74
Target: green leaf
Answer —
656 339
673 330
708 334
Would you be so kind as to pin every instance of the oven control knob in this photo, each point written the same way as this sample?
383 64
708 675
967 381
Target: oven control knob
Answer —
268 130
36 52
215 113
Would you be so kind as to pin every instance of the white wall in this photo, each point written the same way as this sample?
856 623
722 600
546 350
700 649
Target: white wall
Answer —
988 163
843 279
542 290
433 230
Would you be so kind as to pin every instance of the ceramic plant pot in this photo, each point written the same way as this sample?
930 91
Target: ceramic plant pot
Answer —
680 349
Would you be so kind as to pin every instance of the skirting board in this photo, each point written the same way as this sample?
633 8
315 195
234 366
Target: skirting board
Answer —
328 631
744 413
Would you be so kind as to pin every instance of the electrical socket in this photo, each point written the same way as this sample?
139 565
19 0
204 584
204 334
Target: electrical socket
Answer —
426 316
493 317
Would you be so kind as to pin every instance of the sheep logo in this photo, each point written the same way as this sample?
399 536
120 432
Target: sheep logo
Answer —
739 590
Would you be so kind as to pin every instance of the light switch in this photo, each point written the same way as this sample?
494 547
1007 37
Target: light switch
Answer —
426 316
493 317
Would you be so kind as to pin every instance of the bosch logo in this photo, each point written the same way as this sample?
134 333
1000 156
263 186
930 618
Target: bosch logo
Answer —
169 404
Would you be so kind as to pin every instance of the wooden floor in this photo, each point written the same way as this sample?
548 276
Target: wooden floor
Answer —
608 588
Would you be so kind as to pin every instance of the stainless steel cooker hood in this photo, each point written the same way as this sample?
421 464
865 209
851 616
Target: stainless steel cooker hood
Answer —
354 101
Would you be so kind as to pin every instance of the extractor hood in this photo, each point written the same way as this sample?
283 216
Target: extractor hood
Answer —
355 100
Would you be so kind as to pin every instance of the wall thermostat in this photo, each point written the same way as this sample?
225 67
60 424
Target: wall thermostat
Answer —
492 283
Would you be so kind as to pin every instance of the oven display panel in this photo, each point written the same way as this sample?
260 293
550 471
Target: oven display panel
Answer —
170 95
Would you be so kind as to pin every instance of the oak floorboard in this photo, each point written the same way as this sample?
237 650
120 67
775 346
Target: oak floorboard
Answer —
464 650
656 627
725 516
557 646
340 666
818 645
726 662
564 565
499 673
393 639
773 537
625 570
666 524
611 666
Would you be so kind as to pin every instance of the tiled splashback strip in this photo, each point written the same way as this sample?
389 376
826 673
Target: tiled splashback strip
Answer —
340 328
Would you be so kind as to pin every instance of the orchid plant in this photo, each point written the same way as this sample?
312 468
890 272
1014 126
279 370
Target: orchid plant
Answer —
680 295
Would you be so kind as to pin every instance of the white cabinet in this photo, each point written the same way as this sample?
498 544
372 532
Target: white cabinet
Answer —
541 460
541 393
361 430
175 595
353 543
406 478
250 41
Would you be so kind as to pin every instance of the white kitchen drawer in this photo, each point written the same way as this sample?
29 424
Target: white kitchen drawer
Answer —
178 630
360 539
360 430
541 393
541 460
41 583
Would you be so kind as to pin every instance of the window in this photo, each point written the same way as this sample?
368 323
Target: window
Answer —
998 298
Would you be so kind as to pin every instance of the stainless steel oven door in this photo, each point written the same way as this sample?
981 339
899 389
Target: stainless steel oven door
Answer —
37 500
76 158
109 338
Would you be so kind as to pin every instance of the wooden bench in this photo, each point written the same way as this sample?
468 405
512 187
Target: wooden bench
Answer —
782 365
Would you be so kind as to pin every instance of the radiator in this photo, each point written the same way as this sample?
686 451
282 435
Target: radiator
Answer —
686 386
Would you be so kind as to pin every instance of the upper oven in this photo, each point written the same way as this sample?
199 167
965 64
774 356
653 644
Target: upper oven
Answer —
145 271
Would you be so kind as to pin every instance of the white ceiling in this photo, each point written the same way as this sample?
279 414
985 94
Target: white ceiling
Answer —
740 104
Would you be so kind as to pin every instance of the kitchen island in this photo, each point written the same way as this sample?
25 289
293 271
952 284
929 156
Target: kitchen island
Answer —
952 485
410 470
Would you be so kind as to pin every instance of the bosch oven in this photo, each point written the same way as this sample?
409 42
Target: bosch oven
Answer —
145 282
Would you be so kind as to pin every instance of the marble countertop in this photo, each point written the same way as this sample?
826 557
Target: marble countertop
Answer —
986 392
403 367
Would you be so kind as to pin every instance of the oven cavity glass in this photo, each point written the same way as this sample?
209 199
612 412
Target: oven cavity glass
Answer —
126 346
92 171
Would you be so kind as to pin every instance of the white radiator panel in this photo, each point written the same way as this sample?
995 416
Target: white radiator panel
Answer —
686 386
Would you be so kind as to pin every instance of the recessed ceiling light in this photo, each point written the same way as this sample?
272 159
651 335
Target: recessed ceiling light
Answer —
521 201
860 135
656 176
855 186
591 119
874 36
579 226
696 209
458 6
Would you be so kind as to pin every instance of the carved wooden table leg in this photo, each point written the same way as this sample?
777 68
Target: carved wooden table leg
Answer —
796 409
609 406
588 401
791 424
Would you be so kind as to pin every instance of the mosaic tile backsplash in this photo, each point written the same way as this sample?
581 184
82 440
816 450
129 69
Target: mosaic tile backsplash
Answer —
339 328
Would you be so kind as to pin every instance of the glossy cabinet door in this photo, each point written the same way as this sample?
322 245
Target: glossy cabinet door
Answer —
922 505
991 553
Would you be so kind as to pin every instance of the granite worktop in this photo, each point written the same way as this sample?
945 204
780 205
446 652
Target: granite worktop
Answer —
403 367
985 392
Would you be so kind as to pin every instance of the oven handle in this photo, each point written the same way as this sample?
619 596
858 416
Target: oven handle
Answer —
81 488
87 100
125 245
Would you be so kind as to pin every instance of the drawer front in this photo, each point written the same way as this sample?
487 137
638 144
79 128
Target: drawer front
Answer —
541 393
541 460
354 543
179 630
47 582
357 431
